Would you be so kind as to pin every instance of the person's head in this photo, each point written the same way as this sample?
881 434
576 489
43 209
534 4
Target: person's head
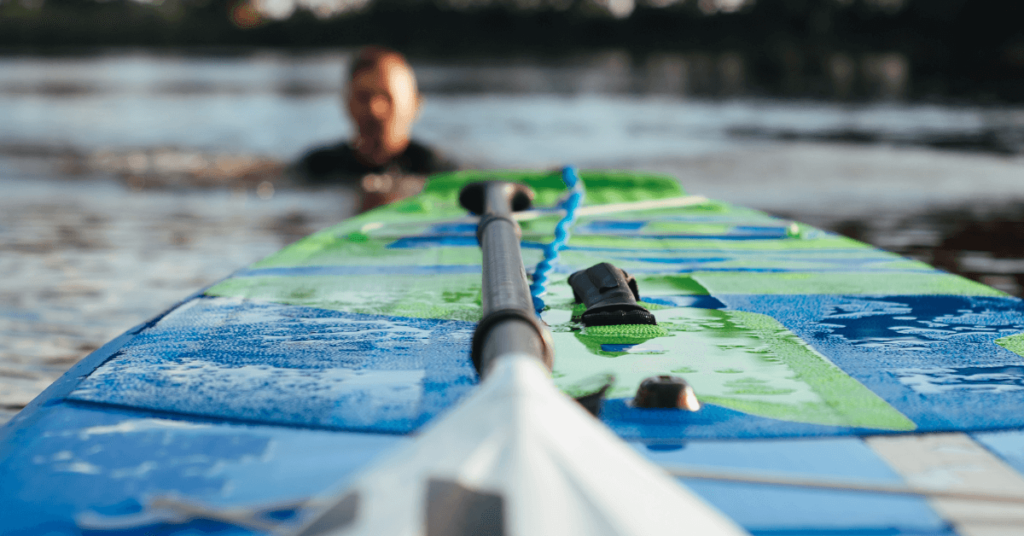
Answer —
383 101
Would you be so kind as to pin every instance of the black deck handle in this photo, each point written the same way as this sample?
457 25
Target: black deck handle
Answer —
610 295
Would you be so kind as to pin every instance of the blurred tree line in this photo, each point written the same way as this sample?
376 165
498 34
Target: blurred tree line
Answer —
969 48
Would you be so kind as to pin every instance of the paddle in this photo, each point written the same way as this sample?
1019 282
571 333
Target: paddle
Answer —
509 324
517 457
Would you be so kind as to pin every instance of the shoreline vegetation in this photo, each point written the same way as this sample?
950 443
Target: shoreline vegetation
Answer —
950 49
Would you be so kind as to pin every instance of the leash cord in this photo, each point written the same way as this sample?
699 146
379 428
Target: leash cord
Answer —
551 251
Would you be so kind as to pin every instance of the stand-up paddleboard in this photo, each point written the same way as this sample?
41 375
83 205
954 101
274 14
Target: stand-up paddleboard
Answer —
792 381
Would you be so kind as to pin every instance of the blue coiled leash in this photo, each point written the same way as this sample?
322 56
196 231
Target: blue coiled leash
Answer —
551 251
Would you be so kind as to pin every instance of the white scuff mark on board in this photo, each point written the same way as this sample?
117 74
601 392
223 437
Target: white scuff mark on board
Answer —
955 462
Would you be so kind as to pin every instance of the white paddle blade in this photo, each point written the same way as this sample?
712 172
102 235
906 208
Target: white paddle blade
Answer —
517 458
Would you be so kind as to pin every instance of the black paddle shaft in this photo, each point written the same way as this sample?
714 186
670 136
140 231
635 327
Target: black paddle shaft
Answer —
509 324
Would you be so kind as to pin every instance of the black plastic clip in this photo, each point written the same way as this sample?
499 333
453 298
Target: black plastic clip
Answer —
610 295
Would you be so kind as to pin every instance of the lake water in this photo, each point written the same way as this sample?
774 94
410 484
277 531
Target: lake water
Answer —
119 195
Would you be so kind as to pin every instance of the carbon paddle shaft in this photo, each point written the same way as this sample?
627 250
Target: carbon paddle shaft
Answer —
509 324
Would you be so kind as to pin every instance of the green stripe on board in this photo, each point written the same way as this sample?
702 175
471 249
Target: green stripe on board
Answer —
1013 343
602 186
853 283
672 285
642 262
846 399
451 297
744 361
786 244
328 250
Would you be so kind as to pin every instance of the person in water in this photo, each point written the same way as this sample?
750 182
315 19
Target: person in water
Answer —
383 101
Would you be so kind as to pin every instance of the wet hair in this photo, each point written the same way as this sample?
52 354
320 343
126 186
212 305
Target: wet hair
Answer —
369 57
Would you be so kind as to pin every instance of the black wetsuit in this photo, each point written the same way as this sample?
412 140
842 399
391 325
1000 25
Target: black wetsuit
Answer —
338 163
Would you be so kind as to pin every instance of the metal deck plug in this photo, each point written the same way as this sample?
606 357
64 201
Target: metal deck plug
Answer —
666 392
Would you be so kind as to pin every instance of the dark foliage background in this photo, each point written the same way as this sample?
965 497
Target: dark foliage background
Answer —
956 49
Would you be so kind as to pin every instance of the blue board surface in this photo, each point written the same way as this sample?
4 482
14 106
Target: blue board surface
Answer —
92 458
246 361
223 358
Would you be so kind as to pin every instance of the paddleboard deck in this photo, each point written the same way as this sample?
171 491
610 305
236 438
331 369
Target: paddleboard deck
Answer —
815 357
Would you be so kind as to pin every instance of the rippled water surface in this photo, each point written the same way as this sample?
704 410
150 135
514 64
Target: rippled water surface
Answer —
131 180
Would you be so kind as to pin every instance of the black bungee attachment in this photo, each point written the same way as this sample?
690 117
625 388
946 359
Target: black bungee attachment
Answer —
610 295
509 324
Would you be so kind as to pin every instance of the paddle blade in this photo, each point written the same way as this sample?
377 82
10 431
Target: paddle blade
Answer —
517 457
